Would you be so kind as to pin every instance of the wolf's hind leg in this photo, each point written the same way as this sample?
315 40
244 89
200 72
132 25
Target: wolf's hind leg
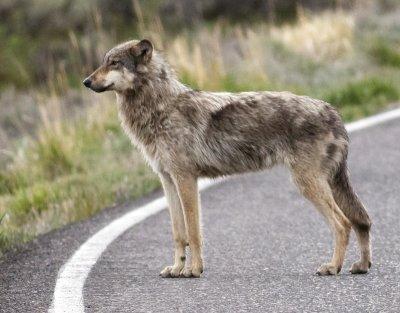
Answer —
315 187
354 210
362 266
178 227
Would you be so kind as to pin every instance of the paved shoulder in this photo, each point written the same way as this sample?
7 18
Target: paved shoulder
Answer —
28 277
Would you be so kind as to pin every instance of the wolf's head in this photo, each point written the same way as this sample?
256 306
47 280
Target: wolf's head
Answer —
124 68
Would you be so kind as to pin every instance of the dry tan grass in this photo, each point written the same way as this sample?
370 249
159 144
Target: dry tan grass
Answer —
210 54
323 37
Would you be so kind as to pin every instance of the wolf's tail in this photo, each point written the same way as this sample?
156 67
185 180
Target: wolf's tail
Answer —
348 201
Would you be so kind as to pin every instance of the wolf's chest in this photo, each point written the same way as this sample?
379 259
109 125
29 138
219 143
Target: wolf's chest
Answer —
147 145
149 150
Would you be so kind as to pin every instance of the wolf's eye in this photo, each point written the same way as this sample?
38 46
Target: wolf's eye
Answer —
114 63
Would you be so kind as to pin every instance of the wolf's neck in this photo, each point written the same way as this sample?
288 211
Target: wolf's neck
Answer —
142 112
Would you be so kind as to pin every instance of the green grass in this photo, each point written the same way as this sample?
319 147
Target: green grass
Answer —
363 97
385 54
68 173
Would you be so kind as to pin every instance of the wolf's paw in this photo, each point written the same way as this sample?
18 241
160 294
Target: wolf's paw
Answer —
171 271
328 269
193 271
360 267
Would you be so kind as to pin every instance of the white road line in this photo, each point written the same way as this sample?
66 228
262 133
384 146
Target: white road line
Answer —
373 120
68 293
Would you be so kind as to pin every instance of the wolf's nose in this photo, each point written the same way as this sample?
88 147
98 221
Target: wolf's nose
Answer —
87 82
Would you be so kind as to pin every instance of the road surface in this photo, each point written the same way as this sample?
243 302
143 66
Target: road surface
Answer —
263 244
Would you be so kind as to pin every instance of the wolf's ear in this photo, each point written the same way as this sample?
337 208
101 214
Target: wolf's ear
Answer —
143 51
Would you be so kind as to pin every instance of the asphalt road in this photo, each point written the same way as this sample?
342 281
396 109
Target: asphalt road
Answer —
263 244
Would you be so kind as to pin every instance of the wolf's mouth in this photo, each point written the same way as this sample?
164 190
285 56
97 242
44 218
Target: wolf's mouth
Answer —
102 89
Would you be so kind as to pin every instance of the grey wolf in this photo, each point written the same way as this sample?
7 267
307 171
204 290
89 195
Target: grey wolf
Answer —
185 134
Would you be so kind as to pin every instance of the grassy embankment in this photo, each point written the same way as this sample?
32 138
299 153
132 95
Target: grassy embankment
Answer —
63 170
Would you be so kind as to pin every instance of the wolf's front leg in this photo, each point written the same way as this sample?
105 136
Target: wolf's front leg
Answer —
189 195
178 227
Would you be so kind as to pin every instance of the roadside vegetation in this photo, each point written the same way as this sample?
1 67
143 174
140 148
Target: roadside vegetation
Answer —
63 155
